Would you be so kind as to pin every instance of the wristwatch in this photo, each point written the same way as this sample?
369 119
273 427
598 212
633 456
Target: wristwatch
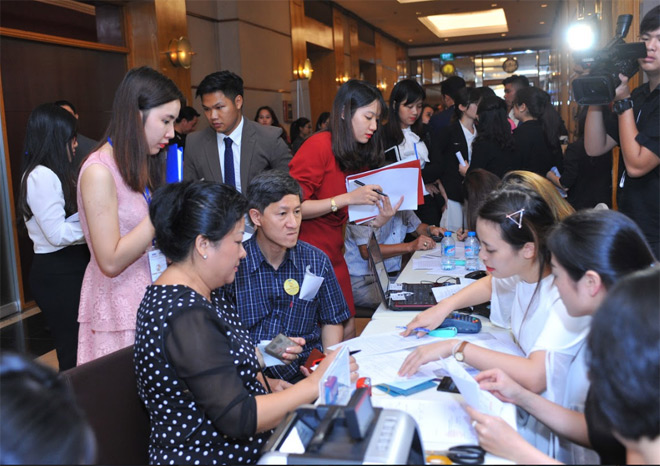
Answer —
333 205
458 354
428 229
621 106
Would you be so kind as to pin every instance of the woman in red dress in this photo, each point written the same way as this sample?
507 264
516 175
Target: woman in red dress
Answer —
350 145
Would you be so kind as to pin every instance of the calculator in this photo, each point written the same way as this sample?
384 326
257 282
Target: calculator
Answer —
464 323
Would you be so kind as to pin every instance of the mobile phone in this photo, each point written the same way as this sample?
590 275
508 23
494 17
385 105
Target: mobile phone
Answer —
278 346
447 385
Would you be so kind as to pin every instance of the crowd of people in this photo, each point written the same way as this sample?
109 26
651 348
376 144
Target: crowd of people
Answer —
576 286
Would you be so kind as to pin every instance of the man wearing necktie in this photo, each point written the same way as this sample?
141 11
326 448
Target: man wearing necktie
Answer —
232 149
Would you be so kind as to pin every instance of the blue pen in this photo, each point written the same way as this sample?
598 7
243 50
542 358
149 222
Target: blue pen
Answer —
418 329
416 154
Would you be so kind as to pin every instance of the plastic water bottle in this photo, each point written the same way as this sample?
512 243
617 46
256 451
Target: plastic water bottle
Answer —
471 251
448 252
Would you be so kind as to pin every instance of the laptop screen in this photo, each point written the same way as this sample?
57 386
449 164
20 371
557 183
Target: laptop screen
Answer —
378 266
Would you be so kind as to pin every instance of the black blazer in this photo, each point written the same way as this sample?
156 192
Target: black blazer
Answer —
488 155
532 153
445 144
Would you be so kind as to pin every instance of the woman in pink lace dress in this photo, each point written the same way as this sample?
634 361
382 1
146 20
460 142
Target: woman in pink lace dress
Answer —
113 194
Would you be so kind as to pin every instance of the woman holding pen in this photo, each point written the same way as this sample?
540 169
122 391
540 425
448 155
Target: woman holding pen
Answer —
403 132
592 250
352 144
512 226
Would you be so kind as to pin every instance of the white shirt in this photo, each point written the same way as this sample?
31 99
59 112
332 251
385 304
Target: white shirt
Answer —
48 228
539 322
412 148
469 137
236 137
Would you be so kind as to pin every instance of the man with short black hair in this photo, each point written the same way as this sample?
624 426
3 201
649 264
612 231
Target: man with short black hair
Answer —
635 126
183 125
449 89
233 149
511 85
285 285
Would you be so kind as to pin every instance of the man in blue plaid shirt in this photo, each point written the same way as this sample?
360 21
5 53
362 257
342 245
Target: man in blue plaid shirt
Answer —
285 285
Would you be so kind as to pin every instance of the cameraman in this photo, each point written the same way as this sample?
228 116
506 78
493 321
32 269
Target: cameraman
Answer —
636 130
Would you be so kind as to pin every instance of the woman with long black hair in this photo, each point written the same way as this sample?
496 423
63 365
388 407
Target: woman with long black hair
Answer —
537 135
403 139
48 206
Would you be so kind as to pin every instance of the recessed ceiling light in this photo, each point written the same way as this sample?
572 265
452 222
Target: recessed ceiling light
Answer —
446 39
418 12
543 5
541 22
503 35
493 5
409 40
467 24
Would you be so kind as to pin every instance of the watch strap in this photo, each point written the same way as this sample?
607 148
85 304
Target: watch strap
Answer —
459 351
622 105
333 205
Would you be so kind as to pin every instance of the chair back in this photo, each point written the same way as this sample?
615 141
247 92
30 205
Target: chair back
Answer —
106 390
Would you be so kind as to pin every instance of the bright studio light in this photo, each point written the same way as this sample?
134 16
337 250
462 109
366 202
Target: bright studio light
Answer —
580 36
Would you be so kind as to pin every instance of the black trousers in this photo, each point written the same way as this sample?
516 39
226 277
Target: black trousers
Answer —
56 279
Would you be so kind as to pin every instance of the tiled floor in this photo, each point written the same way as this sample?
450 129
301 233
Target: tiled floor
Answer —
28 333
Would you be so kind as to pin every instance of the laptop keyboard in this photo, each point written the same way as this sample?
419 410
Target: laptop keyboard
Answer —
421 293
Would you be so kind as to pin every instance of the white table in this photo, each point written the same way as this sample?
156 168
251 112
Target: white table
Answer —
385 321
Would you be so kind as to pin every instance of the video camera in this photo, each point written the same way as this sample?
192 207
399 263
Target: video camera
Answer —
598 87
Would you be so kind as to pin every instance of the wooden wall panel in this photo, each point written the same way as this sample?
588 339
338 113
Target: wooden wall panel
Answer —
298 46
37 72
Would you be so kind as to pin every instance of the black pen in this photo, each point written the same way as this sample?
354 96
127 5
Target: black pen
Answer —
360 183
351 353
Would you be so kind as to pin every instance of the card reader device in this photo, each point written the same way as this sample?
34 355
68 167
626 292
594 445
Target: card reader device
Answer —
356 433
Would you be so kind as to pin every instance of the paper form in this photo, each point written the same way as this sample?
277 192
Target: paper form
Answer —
383 368
395 183
479 399
384 343
442 422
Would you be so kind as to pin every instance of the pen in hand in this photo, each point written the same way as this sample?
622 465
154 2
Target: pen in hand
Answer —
418 329
360 183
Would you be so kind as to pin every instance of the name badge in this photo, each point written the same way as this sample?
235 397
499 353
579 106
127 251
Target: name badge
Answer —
291 287
157 263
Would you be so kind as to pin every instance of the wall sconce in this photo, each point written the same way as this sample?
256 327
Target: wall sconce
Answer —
342 79
304 70
180 52
382 85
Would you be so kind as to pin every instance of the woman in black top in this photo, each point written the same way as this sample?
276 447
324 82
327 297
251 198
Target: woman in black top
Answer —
493 148
197 370
537 134
452 140
588 180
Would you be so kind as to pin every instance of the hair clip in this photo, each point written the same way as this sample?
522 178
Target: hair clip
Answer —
520 214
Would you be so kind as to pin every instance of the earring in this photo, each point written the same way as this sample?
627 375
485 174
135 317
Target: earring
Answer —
205 257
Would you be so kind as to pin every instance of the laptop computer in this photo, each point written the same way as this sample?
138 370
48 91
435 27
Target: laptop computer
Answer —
416 296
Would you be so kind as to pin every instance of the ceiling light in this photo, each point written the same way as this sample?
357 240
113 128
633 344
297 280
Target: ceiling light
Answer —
503 35
541 22
409 40
467 24
543 5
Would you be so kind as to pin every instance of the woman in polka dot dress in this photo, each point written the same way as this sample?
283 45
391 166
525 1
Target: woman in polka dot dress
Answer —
197 371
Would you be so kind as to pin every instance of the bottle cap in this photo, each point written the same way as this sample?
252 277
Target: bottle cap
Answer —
472 233
447 233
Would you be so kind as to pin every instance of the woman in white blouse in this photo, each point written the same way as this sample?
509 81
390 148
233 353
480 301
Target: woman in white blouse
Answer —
402 141
48 206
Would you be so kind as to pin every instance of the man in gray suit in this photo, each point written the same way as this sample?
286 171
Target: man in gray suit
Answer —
233 149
